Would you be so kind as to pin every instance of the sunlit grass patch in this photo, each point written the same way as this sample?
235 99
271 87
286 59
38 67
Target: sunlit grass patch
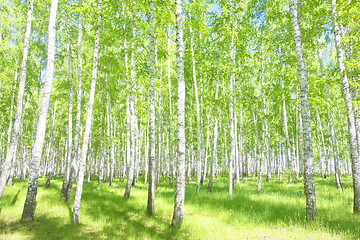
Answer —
277 212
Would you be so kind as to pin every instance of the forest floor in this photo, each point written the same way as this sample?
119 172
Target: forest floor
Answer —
277 212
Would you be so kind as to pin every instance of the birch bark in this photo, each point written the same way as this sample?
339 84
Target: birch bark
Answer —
309 184
69 140
28 212
152 146
172 169
15 131
80 180
214 155
133 127
76 150
180 169
354 153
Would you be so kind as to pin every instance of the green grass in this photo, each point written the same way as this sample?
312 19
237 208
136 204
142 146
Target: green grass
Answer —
278 212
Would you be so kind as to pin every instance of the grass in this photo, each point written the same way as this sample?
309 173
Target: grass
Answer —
277 212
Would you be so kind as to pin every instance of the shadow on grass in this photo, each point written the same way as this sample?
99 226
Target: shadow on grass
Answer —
15 198
126 217
114 217
246 202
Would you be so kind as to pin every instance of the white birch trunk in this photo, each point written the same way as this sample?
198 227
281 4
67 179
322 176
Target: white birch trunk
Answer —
172 168
130 167
198 120
288 159
354 153
305 111
76 150
152 146
51 145
331 125
28 212
15 131
180 169
80 180
69 140
231 117
214 150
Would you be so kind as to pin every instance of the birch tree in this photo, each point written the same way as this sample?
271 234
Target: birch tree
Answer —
80 180
178 215
28 212
10 153
354 153
152 146
309 184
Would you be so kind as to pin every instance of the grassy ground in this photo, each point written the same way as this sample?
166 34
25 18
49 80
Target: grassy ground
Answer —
278 212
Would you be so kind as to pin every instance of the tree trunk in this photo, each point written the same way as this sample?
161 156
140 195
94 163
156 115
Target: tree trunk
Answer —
28 212
305 111
279 164
132 99
75 155
319 149
51 145
354 153
198 119
231 117
180 169
286 132
152 146
15 131
158 158
80 180
297 142
324 146
66 175
331 125
214 156
172 169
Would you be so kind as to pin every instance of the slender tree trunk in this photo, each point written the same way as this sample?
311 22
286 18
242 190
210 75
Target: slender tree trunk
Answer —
280 162
76 150
133 137
9 131
80 180
264 121
297 143
28 212
205 168
354 153
336 154
15 131
172 169
243 154
319 150
12 169
51 144
158 159
214 156
331 125
111 146
180 169
198 119
152 146
305 111
147 154
288 159
231 117
324 146
69 140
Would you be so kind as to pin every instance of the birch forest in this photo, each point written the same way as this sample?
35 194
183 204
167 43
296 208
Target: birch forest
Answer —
196 119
